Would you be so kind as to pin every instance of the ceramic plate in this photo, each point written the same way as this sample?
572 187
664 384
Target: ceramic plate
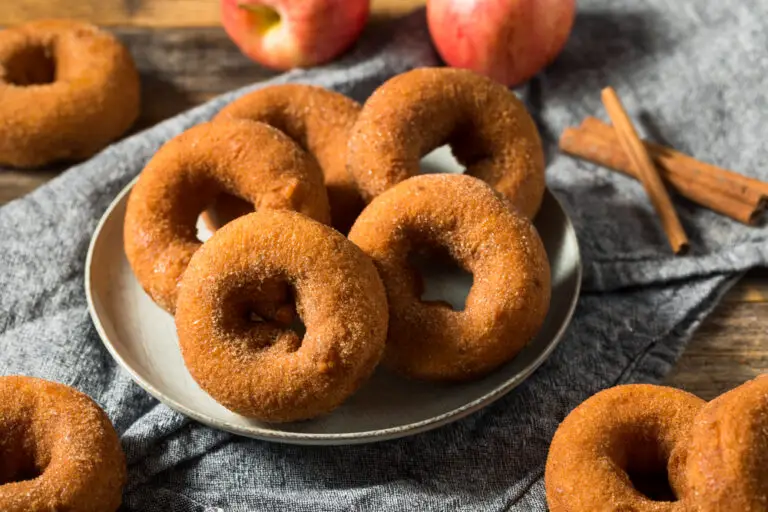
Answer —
142 338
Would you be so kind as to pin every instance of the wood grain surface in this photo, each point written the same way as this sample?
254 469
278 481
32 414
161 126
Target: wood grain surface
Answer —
185 58
148 13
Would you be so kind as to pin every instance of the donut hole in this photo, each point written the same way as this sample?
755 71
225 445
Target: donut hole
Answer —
26 472
440 161
18 462
296 324
224 209
263 315
653 485
646 465
202 231
31 65
442 278
461 150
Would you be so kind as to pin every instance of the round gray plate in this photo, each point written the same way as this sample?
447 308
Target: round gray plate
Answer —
142 338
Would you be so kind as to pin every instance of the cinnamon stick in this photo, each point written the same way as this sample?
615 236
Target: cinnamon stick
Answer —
741 188
649 176
604 151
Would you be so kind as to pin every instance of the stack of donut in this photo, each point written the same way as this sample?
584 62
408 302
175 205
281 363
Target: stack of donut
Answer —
306 159
652 448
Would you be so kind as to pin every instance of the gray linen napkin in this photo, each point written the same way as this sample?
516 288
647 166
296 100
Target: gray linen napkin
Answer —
691 69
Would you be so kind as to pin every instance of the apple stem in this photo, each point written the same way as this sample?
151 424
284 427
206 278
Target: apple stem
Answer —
266 17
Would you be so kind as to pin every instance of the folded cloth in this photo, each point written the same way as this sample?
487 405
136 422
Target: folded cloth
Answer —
694 67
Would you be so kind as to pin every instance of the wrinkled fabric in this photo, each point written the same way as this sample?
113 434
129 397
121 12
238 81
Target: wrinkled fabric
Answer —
691 72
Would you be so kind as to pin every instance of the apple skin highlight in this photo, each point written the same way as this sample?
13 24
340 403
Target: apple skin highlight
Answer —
507 40
284 34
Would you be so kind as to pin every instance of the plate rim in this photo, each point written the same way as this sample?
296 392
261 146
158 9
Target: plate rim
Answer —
333 439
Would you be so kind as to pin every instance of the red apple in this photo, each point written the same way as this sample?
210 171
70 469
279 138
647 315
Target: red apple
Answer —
507 40
284 34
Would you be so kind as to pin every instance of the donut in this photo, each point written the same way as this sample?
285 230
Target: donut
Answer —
727 467
67 89
59 450
248 159
318 120
487 127
616 445
255 366
509 297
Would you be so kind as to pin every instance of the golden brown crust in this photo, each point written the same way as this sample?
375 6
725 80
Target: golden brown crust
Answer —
727 467
319 121
509 297
244 158
488 128
59 450
92 100
259 368
636 428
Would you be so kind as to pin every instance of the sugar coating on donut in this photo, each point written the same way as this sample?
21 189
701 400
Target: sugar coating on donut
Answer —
727 468
319 121
67 89
255 365
631 429
509 297
59 450
487 127
251 160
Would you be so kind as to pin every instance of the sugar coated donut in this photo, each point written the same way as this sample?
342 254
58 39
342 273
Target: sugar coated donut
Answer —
58 452
255 366
619 444
727 467
251 160
487 127
509 297
319 120
67 89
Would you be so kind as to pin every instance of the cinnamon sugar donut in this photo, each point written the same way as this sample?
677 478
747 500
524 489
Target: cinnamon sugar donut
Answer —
318 120
615 441
251 160
67 89
509 298
487 127
258 367
727 467
58 452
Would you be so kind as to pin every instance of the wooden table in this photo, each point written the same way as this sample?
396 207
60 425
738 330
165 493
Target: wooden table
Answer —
185 58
